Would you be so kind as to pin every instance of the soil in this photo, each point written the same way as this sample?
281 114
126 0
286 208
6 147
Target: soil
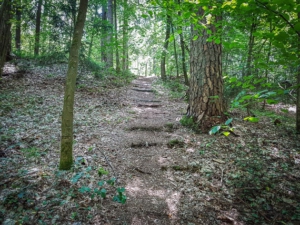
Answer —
171 175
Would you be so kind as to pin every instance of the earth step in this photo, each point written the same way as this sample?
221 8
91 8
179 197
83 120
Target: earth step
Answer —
143 144
144 100
149 105
142 90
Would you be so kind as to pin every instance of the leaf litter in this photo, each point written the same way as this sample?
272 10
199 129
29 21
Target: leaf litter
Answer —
170 174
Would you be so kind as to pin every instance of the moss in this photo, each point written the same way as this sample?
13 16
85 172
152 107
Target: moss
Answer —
175 143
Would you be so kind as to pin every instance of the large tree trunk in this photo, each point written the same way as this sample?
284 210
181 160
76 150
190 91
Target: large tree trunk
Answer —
206 103
38 28
18 25
66 154
165 48
110 52
5 34
298 82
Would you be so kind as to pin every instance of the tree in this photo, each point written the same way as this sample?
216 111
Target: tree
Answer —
66 154
18 25
110 33
125 60
298 80
38 28
116 37
165 49
206 102
5 34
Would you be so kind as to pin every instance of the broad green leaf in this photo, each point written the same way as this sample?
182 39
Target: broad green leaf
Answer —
121 190
103 193
217 40
102 171
252 119
228 121
111 181
226 133
195 38
76 177
84 189
284 110
214 130
272 101
297 26
100 183
233 79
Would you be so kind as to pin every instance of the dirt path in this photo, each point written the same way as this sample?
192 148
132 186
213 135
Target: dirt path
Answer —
171 174
153 197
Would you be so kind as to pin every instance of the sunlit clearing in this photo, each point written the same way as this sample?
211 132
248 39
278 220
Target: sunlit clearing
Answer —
190 150
172 203
135 187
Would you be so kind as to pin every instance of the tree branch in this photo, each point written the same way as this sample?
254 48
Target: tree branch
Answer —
278 14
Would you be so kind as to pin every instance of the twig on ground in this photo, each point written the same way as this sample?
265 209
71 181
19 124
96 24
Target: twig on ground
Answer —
106 159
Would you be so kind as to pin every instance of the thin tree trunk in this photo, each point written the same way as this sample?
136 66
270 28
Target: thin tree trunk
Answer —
182 45
66 154
206 102
18 26
175 52
125 38
38 28
93 34
118 69
250 47
165 48
110 52
104 33
5 34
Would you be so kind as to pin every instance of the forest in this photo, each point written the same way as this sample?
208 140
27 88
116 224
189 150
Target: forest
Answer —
150 112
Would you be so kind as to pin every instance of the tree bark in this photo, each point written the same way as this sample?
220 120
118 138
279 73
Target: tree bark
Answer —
5 34
110 52
38 28
125 60
104 33
165 48
116 38
175 52
298 82
250 47
18 26
182 46
66 154
206 103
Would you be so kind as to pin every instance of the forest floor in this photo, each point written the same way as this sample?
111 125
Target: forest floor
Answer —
171 174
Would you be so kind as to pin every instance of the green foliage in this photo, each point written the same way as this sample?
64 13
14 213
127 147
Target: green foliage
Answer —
97 68
176 88
189 122
225 128
93 192
263 187
102 172
252 119
32 152
175 143
121 198
51 58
